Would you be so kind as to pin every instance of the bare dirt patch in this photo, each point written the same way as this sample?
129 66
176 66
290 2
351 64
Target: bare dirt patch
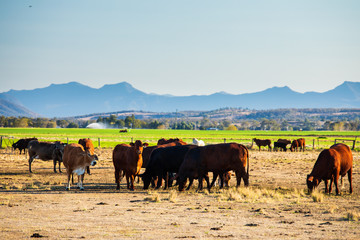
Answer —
276 206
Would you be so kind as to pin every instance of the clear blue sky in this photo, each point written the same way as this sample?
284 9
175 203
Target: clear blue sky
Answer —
180 47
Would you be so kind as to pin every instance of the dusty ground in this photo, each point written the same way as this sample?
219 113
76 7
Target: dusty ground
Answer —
276 206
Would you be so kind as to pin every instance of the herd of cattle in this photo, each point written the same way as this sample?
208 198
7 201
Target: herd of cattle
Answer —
174 159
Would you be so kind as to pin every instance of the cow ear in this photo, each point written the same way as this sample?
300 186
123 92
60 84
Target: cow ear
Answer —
145 144
310 178
132 144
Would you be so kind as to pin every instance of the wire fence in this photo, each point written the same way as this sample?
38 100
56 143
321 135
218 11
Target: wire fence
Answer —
311 143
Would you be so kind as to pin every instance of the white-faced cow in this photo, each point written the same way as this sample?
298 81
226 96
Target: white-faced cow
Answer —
76 159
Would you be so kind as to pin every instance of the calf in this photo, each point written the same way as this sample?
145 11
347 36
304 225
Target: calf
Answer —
76 159
217 158
164 161
280 145
171 140
331 163
127 159
22 144
45 151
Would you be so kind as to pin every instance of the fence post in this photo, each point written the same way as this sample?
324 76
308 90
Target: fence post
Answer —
1 139
313 144
354 143
224 140
98 142
67 140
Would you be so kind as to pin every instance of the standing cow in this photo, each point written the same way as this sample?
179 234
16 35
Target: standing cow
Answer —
260 143
164 161
127 159
22 144
89 147
217 158
76 159
331 163
46 151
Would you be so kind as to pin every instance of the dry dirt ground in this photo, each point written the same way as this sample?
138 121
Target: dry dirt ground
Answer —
276 206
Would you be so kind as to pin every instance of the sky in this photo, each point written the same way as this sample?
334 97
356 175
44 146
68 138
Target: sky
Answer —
182 48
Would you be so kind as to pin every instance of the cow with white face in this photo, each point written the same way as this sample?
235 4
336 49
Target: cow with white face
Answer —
198 142
76 159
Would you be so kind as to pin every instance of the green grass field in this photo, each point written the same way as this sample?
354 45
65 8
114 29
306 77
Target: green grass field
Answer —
109 138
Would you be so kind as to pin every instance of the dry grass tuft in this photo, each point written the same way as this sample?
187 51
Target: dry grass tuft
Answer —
173 196
155 197
317 196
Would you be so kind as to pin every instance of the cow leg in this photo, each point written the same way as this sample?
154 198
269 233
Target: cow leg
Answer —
54 166
336 182
88 170
68 182
215 175
238 178
60 167
350 180
117 179
31 159
81 180
128 181
166 178
326 186
159 182
207 182
191 180
132 182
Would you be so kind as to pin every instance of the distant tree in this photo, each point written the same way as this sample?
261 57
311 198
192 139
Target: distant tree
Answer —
231 128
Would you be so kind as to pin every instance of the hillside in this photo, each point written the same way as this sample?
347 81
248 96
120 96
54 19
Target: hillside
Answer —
9 108
74 99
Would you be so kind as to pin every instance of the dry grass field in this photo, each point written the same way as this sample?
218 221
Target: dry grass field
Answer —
275 206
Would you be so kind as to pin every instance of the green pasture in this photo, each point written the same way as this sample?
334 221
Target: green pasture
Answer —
109 138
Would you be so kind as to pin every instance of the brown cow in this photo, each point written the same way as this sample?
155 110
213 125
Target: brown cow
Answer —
89 147
260 143
217 158
127 159
163 141
331 163
76 159
298 143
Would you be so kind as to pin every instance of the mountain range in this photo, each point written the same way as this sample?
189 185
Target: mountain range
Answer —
74 99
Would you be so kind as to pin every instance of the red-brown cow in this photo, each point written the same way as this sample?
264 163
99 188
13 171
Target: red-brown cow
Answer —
89 147
163 141
260 143
217 158
76 159
127 159
331 163
298 143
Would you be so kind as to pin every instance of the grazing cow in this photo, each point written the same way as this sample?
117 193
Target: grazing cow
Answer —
297 143
45 151
123 131
217 158
260 143
280 145
127 159
331 164
76 159
89 147
163 141
198 142
22 144
163 161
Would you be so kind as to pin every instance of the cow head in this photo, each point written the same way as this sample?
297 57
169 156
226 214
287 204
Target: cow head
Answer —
139 146
312 182
182 182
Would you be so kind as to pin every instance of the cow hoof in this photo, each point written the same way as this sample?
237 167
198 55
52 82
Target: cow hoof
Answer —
67 189
82 189
131 189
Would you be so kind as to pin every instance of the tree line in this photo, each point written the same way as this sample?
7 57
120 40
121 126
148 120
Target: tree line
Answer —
203 123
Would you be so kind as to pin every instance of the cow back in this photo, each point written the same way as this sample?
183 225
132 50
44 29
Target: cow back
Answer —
87 144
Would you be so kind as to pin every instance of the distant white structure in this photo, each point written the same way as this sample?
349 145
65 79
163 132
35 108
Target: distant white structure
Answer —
198 142
96 126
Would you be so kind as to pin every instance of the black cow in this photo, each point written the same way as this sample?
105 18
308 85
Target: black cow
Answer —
22 144
163 161
280 145
46 151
